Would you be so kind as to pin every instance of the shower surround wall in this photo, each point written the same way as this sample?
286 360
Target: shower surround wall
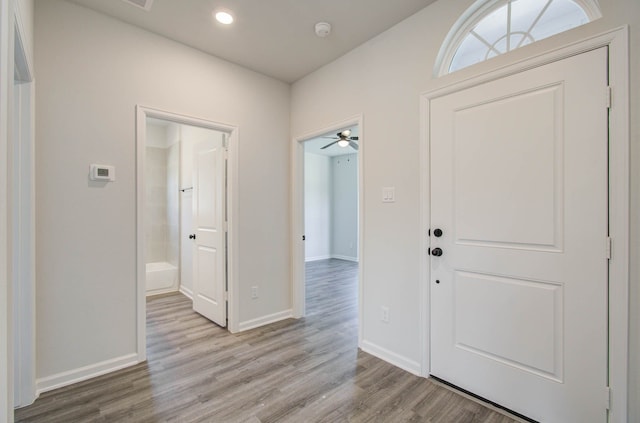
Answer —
162 230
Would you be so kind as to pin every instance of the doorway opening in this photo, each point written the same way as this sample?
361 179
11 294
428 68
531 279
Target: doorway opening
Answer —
331 197
169 167
328 217
186 179
331 215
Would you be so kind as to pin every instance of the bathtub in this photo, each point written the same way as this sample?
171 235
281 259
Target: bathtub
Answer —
161 277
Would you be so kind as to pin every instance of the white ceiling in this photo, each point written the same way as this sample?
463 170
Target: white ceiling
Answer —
273 37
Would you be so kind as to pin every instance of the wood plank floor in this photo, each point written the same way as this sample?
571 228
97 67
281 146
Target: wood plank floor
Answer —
307 370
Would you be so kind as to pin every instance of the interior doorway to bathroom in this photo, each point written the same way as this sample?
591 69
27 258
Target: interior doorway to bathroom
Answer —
183 220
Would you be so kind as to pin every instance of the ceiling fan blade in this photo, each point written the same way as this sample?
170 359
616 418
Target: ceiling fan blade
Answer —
331 138
329 145
353 145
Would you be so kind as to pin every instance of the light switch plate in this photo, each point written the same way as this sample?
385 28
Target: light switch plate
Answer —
388 194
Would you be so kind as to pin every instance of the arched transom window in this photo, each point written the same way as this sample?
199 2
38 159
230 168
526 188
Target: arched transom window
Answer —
494 27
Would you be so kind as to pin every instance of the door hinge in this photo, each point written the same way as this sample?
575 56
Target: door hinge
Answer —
608 96
607 397
226 154
608 248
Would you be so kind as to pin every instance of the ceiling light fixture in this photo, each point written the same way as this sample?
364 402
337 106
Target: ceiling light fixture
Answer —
344 135
225 18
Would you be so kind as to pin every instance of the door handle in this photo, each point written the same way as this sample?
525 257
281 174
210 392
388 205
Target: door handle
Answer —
436 252
192 236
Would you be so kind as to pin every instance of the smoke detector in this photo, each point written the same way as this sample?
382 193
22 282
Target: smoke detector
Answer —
323 29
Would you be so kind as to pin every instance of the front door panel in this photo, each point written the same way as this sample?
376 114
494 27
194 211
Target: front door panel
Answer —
519 189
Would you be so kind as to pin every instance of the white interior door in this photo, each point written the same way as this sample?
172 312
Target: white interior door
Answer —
519 191
209 246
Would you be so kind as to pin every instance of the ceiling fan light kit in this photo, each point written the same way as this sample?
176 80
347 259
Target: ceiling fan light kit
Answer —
343 139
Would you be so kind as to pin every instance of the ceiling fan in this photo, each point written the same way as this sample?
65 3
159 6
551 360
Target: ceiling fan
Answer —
343 139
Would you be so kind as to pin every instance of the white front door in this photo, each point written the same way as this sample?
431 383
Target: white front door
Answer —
519 191
209 247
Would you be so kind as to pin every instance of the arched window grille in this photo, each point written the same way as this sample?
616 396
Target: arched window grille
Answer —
493 27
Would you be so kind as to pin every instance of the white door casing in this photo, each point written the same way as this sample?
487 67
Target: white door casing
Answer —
209 245
519 189
22 183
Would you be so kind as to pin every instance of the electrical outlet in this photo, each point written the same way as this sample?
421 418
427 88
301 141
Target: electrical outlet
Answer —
254 292
385 314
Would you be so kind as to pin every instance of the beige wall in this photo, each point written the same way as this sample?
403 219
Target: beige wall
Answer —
93 71
383 80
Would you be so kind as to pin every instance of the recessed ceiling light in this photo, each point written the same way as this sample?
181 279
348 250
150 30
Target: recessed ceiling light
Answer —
224 17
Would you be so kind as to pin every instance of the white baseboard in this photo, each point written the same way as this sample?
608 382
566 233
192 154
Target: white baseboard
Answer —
160 292
348 258
316 258
265 320
186 292
332 256
390 357
70 377
25 402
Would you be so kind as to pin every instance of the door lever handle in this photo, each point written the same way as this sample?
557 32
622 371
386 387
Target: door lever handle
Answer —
436 252
192 236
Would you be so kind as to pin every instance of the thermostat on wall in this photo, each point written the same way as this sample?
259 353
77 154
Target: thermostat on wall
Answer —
99 172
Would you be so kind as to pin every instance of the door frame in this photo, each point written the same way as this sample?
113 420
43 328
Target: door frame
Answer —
142 113
6 299
617 40
23 225
23 221
297 213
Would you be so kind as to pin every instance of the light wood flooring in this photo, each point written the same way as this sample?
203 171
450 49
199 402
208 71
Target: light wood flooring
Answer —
307 370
